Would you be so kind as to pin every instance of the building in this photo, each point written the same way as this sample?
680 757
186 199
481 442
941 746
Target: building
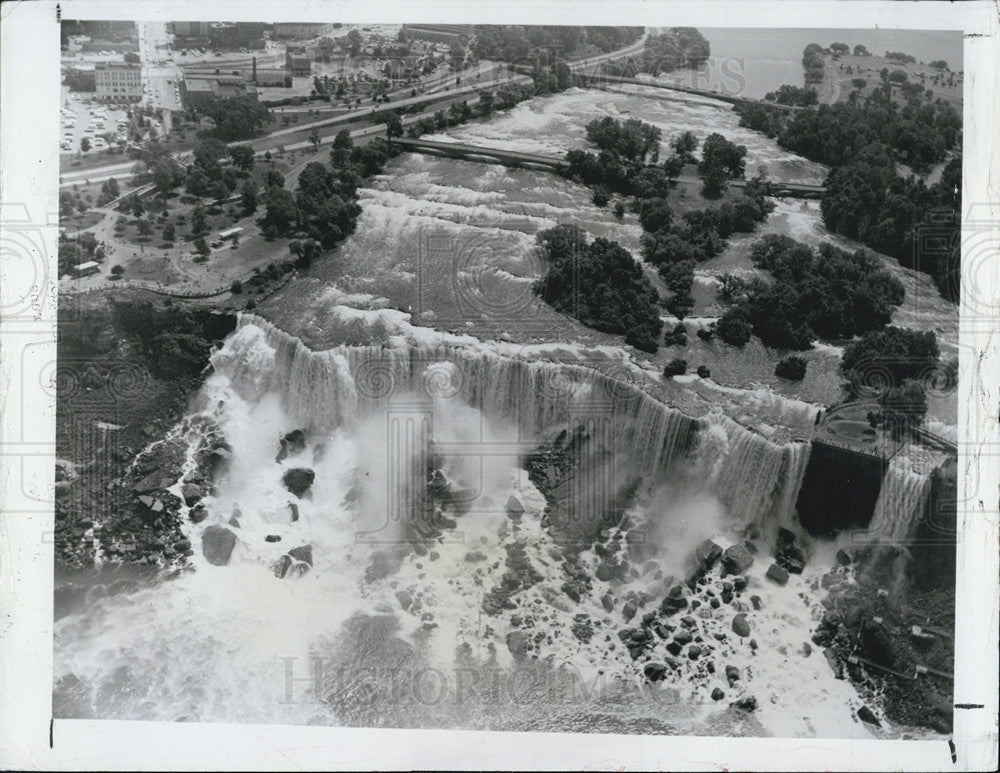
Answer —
299 30
231 233
233 35
118 81
297 61
190 29
437 33
197 88
273 79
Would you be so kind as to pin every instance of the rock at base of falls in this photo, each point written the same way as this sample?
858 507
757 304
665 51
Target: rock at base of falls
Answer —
865 714
732 675
707 553
298 559
740 626
516 643
777 574
514 508
298 480
737 559
292 443
217 543
746 704
718 694
655 672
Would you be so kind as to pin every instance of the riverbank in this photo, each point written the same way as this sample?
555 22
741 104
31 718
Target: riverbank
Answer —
128 363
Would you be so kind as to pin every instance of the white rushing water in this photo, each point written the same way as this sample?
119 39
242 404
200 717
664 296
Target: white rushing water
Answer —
221 642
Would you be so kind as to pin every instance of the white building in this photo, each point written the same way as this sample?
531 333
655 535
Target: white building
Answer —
118 81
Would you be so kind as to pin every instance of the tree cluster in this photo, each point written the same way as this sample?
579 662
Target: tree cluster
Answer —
235 118
792 95
515 43
828 294
599 284
865 199
678 48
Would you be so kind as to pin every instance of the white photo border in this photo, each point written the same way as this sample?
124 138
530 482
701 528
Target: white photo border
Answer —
29 179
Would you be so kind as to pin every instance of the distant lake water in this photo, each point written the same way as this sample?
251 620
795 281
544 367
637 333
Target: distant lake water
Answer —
752 62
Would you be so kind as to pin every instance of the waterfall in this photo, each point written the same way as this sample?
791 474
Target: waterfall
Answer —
759 480
755 478
901 504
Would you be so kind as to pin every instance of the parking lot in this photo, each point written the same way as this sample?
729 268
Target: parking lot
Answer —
82 116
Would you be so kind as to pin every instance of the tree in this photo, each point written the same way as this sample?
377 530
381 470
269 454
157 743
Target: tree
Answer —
684 145
792 367
236 287
117 271
145 229
202 247
169 233
860 50
903 407
136 206
84 145
325 47
314 139
248 199
274 179
734 326
713 182
198 224
242 157
676 367
703 372
305 252
281 212
719 152
353 41
600 197
840 48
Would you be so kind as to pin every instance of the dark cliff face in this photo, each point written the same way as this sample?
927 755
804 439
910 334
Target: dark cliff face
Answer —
932 564
839 490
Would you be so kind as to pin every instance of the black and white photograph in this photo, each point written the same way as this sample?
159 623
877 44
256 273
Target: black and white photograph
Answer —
550 378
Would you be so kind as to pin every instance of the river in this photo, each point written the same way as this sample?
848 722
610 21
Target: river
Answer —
413 313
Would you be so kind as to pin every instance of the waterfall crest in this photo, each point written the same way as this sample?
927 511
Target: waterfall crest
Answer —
902 502
754 477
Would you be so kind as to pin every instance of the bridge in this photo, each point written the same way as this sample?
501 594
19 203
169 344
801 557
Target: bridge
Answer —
481 153
599 79
517 158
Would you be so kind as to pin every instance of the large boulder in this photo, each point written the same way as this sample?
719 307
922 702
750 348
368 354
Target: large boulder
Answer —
298 480
865 714
192 494
655 672
303 553
746 704
514 508
737 559
292 443
740 626
777 574
217 543
516 643
707 552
